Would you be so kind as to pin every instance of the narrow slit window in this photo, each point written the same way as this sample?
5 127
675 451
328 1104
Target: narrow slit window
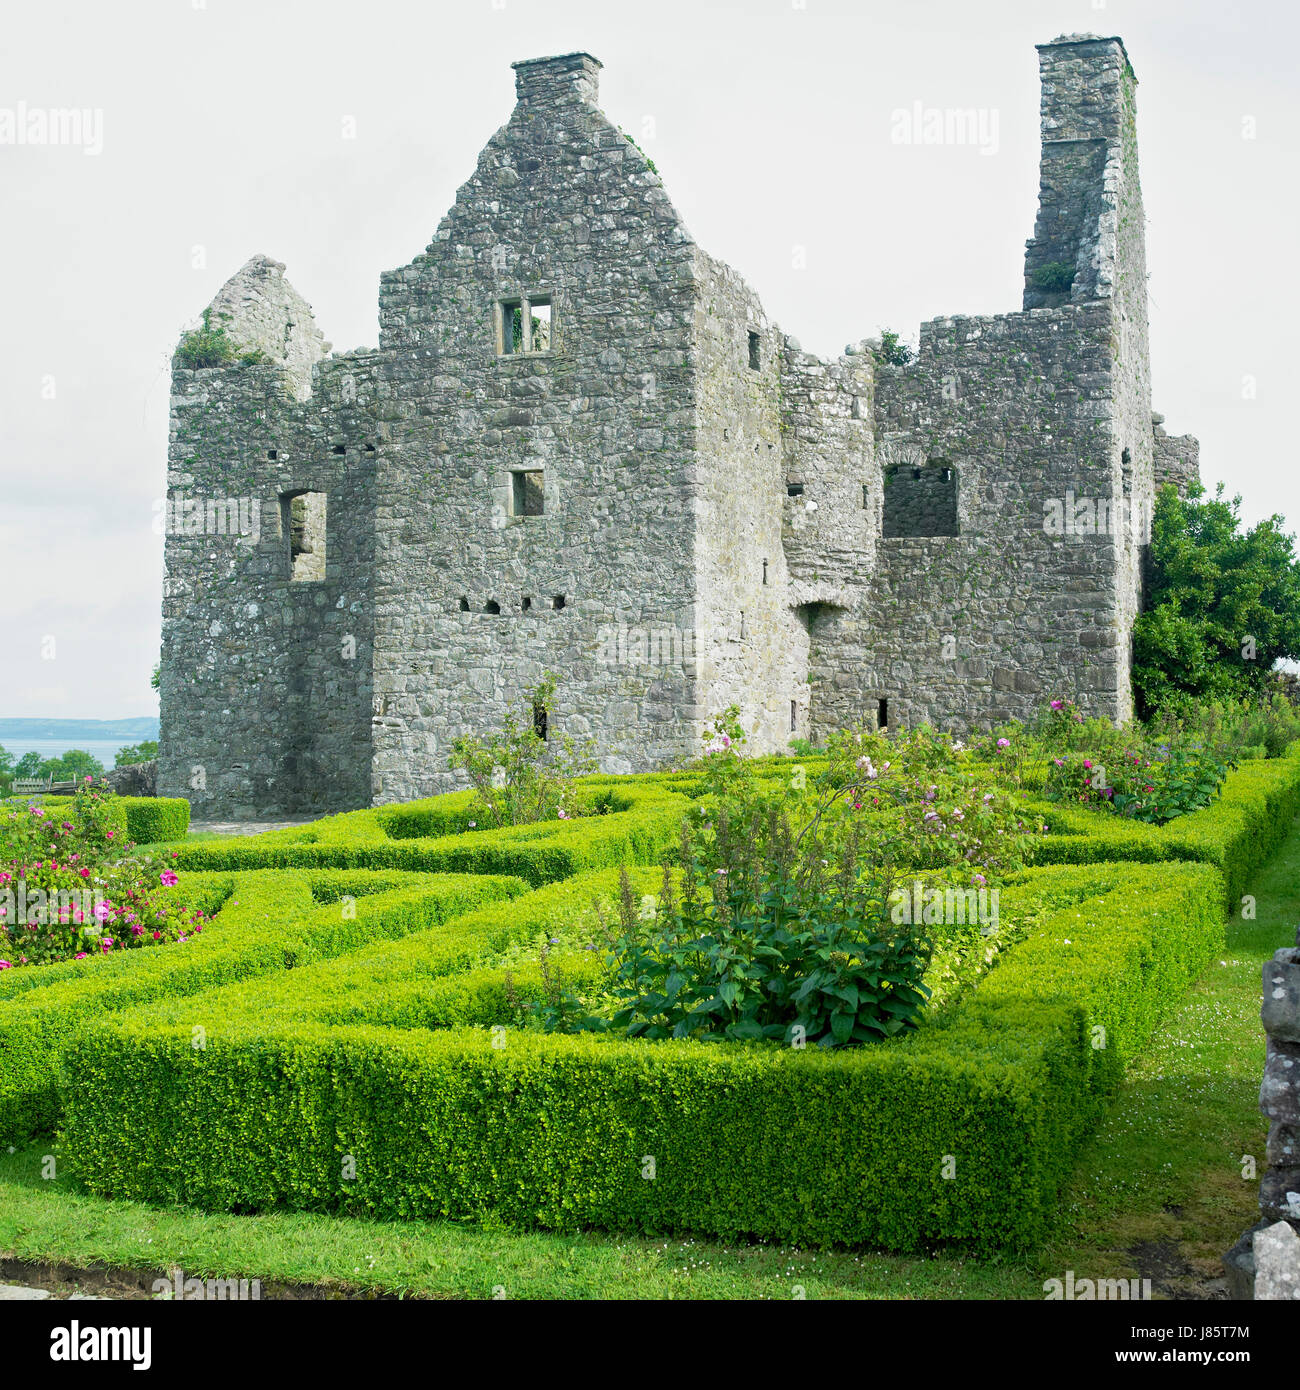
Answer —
526 603
302 519
754 360
882 714
527 492
794 716
539 325
512 325
539 720
764 571
866 495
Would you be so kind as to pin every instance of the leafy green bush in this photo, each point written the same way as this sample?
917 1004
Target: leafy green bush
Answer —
207 346
1146 786
1053 277
1223 604
523 773
134 753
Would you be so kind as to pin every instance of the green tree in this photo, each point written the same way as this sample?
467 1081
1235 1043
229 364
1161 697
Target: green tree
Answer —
136 753
6 771
1223 603
75 765
29 765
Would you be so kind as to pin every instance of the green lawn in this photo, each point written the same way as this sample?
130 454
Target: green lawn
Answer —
1158 1192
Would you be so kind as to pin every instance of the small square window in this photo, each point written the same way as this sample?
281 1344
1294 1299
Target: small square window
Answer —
794 489
524 325
527 492
558 601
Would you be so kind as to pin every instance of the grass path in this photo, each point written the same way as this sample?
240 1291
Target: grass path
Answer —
1157 1192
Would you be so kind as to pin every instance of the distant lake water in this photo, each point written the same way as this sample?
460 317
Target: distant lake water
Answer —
105 749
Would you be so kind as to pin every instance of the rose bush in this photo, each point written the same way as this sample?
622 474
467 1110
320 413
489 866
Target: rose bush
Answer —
71 886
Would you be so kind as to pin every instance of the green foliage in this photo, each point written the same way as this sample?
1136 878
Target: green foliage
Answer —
136 753
1223 604
417 1039
524 773
554 1130
1053 277
207 346
73 766
893 351
1145 785
153 819
73 888
155 678
259 923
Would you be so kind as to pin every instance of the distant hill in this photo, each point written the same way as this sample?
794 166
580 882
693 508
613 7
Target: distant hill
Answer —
73 729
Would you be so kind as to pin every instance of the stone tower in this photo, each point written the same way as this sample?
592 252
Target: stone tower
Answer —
582 447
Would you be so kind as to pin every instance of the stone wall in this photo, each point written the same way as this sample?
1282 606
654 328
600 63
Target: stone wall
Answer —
265 680
1177 458
561 205
1265 1262
723 518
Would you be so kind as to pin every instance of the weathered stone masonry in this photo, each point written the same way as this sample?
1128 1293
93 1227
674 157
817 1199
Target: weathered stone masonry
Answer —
582 446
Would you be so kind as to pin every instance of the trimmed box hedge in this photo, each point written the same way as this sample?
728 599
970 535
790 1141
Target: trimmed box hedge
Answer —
380 1050
1236 833
768 1142
639 825
268 922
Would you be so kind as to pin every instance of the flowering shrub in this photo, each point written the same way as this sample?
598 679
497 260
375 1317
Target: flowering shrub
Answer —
71 888
774 921
523 773
1141 784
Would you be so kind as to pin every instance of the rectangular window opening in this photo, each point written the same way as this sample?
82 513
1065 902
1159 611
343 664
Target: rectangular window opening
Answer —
464 604
512 325
302 519
866 495
794 716
794 489
753 352
558 601
526 603
882 714
539 720
527 492
539 330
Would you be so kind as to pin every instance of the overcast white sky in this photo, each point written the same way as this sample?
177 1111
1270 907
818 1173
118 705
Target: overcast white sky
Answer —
770 122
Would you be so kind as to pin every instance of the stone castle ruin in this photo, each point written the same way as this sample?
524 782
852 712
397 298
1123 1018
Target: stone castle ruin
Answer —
581 446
